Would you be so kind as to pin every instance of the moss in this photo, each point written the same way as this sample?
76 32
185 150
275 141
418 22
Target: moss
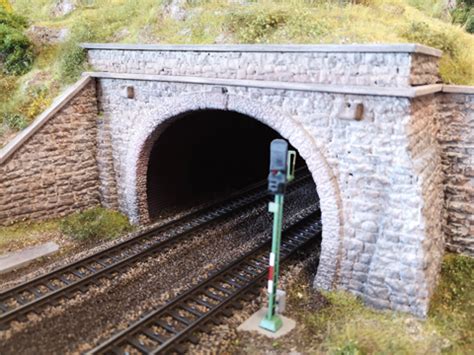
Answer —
95 223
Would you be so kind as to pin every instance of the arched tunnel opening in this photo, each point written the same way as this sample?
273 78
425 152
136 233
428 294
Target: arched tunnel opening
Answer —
205 155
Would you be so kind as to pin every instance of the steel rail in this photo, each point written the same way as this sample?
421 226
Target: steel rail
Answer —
64 282
172 326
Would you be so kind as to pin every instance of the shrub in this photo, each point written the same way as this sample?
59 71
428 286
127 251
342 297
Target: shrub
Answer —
16 54
39 101
420 32
5 4
94 223
12 20
73 57
256 27
71 64
463 14
14 121
456 62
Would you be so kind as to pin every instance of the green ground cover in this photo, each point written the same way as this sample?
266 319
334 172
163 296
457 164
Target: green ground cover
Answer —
86 227
346 326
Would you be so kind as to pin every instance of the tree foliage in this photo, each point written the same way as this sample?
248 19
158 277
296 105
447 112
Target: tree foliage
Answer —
16 52
463 14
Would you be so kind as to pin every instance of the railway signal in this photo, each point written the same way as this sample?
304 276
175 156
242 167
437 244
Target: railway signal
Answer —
282 169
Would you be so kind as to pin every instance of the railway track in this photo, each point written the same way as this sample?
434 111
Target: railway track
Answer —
65 282
173 326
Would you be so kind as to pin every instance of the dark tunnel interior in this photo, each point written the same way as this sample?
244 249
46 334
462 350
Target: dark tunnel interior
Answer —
205 155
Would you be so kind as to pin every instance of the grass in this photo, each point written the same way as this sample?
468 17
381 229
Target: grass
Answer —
264 21
346 326
93 225
25 234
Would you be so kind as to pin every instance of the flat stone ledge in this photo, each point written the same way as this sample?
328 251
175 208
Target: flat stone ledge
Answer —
253 325
57 105
15 260
458 89
410 92
330 48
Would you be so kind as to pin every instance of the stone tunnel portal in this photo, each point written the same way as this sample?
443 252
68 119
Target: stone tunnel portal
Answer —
203 155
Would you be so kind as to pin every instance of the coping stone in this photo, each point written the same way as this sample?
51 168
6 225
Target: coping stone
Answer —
302 48
458 89
15 260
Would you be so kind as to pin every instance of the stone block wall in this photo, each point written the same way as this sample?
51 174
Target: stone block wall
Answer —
54 172
382 66
456 137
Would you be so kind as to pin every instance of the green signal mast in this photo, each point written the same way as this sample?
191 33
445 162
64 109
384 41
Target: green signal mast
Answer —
282 171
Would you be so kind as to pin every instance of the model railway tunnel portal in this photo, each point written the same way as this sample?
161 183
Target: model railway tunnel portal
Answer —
203 155
155 127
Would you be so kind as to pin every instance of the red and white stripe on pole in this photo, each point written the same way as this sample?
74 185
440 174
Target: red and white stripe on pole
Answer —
271 269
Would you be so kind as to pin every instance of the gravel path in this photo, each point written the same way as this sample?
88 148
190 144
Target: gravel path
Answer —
80 323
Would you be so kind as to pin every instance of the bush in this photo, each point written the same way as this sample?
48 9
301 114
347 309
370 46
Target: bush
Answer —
5 4
16 54
463 14
256 27
39 100
420 32
14 121
73 57
95 223
72 61
456 63
12 20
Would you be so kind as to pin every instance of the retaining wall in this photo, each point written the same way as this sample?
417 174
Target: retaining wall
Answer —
50 169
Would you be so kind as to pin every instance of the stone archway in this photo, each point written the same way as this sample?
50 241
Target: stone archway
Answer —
148 131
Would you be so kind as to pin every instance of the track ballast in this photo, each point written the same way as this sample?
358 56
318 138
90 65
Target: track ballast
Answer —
31 296
173 326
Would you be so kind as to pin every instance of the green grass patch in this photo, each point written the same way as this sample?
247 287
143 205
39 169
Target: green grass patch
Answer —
92 225
452 306
95 223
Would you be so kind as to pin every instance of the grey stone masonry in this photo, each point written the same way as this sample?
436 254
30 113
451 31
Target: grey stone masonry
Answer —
456 138
369 65
379 179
